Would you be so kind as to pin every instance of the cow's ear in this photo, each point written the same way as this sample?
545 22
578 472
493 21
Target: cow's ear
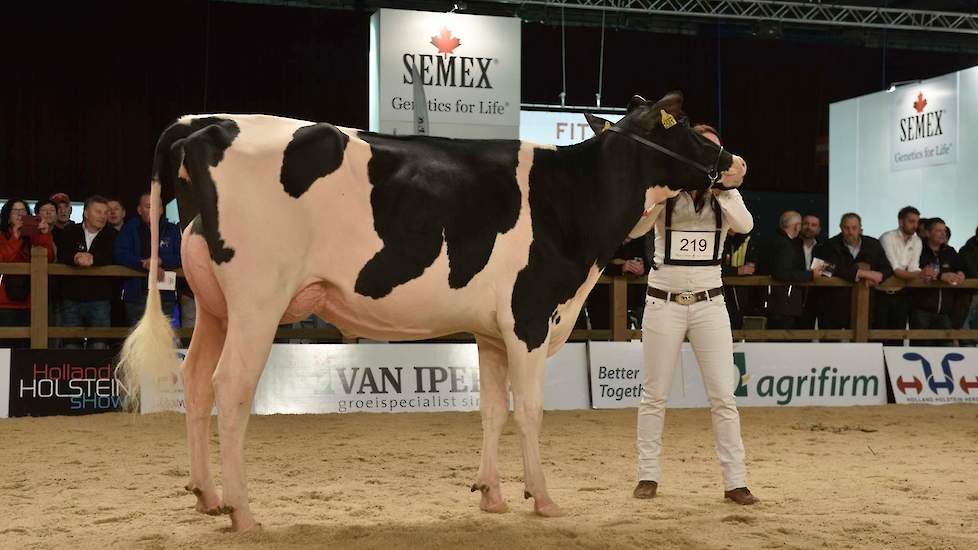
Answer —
597 123
671 103
635 102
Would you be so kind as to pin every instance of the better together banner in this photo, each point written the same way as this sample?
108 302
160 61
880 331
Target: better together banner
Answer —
764 375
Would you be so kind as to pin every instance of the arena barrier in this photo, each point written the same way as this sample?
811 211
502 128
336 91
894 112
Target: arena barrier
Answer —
39 330
379 378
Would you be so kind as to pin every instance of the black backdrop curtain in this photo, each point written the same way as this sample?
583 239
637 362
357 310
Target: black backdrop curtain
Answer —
89 86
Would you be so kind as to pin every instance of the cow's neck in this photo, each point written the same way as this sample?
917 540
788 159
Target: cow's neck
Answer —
611 198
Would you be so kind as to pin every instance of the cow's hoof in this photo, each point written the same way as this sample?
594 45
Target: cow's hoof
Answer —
243 524
547 509
497 507
492 499
206 504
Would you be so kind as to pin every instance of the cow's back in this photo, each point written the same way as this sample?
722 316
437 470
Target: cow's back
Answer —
394 237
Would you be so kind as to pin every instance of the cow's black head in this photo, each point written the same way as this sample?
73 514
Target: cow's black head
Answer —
655 139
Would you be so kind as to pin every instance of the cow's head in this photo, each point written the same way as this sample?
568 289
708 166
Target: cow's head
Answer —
655 140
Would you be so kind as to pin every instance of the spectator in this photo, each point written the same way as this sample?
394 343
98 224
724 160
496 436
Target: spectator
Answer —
63 202
116 215
902 247
811 228
785 261
931 307
88 244
132 249
15 246
853 257
739 260
922 230
969 264
116 218
48 211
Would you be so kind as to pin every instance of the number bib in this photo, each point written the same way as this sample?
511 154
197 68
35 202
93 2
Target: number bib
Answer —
698 246
692 246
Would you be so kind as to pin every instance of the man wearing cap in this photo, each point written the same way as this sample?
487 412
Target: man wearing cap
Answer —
63 202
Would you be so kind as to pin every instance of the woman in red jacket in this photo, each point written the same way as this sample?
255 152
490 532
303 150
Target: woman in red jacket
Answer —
15 303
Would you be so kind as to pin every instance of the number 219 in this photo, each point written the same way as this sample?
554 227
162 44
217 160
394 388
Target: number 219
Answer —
693 245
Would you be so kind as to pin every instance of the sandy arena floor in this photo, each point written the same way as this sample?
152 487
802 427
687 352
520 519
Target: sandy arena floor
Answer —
829 478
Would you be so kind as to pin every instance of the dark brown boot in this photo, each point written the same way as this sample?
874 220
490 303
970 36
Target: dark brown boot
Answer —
742 496
645 489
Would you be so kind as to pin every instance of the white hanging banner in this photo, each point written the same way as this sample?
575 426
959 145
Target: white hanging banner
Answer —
469 66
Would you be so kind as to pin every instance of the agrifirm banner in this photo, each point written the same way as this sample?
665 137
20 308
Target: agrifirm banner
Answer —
558 127
469 66
924 123
342 378
63 382
763 375
933 376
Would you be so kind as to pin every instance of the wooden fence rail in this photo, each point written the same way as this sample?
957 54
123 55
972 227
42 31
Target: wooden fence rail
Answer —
39 330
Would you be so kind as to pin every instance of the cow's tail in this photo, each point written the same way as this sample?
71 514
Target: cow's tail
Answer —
148 354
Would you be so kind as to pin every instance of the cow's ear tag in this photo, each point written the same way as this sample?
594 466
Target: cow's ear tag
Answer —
606 126
668 121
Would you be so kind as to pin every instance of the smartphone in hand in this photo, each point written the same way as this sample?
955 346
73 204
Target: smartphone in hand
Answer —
29 226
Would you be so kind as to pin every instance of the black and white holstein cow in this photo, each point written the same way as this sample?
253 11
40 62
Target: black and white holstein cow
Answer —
399 238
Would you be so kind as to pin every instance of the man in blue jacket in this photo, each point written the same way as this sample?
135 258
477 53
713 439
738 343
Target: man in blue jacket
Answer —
132 249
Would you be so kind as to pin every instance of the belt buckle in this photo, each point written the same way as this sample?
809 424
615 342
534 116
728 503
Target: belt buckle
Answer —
685 298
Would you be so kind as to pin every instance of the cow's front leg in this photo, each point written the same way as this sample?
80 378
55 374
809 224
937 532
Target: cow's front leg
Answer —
494 408
246 349
526 373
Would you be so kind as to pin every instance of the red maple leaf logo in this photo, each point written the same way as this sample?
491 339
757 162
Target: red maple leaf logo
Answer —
445 42
920 103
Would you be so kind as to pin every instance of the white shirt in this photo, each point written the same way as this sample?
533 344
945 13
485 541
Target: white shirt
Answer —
89 237
902 253
808 253
854 249
682 278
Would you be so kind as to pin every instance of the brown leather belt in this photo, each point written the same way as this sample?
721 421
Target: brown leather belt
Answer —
685 298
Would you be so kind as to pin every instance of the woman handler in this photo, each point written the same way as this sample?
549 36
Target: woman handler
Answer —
685 299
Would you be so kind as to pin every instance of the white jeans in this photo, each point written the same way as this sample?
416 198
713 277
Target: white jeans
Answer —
707 325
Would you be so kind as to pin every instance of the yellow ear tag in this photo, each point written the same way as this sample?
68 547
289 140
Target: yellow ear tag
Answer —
667 120
606 126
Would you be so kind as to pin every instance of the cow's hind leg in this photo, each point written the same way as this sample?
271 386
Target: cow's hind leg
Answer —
526 373
246 349
494 408
198 368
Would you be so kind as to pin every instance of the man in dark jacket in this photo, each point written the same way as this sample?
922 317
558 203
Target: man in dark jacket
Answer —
969 264
132 249
853 257
87 244
785 261
931 307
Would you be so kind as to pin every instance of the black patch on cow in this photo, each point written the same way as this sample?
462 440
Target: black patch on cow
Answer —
200 150
426 190
581 212
314 152
196 228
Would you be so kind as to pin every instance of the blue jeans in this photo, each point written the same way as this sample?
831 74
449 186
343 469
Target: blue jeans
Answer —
926 320
10 317
972 323
135 310
87 314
